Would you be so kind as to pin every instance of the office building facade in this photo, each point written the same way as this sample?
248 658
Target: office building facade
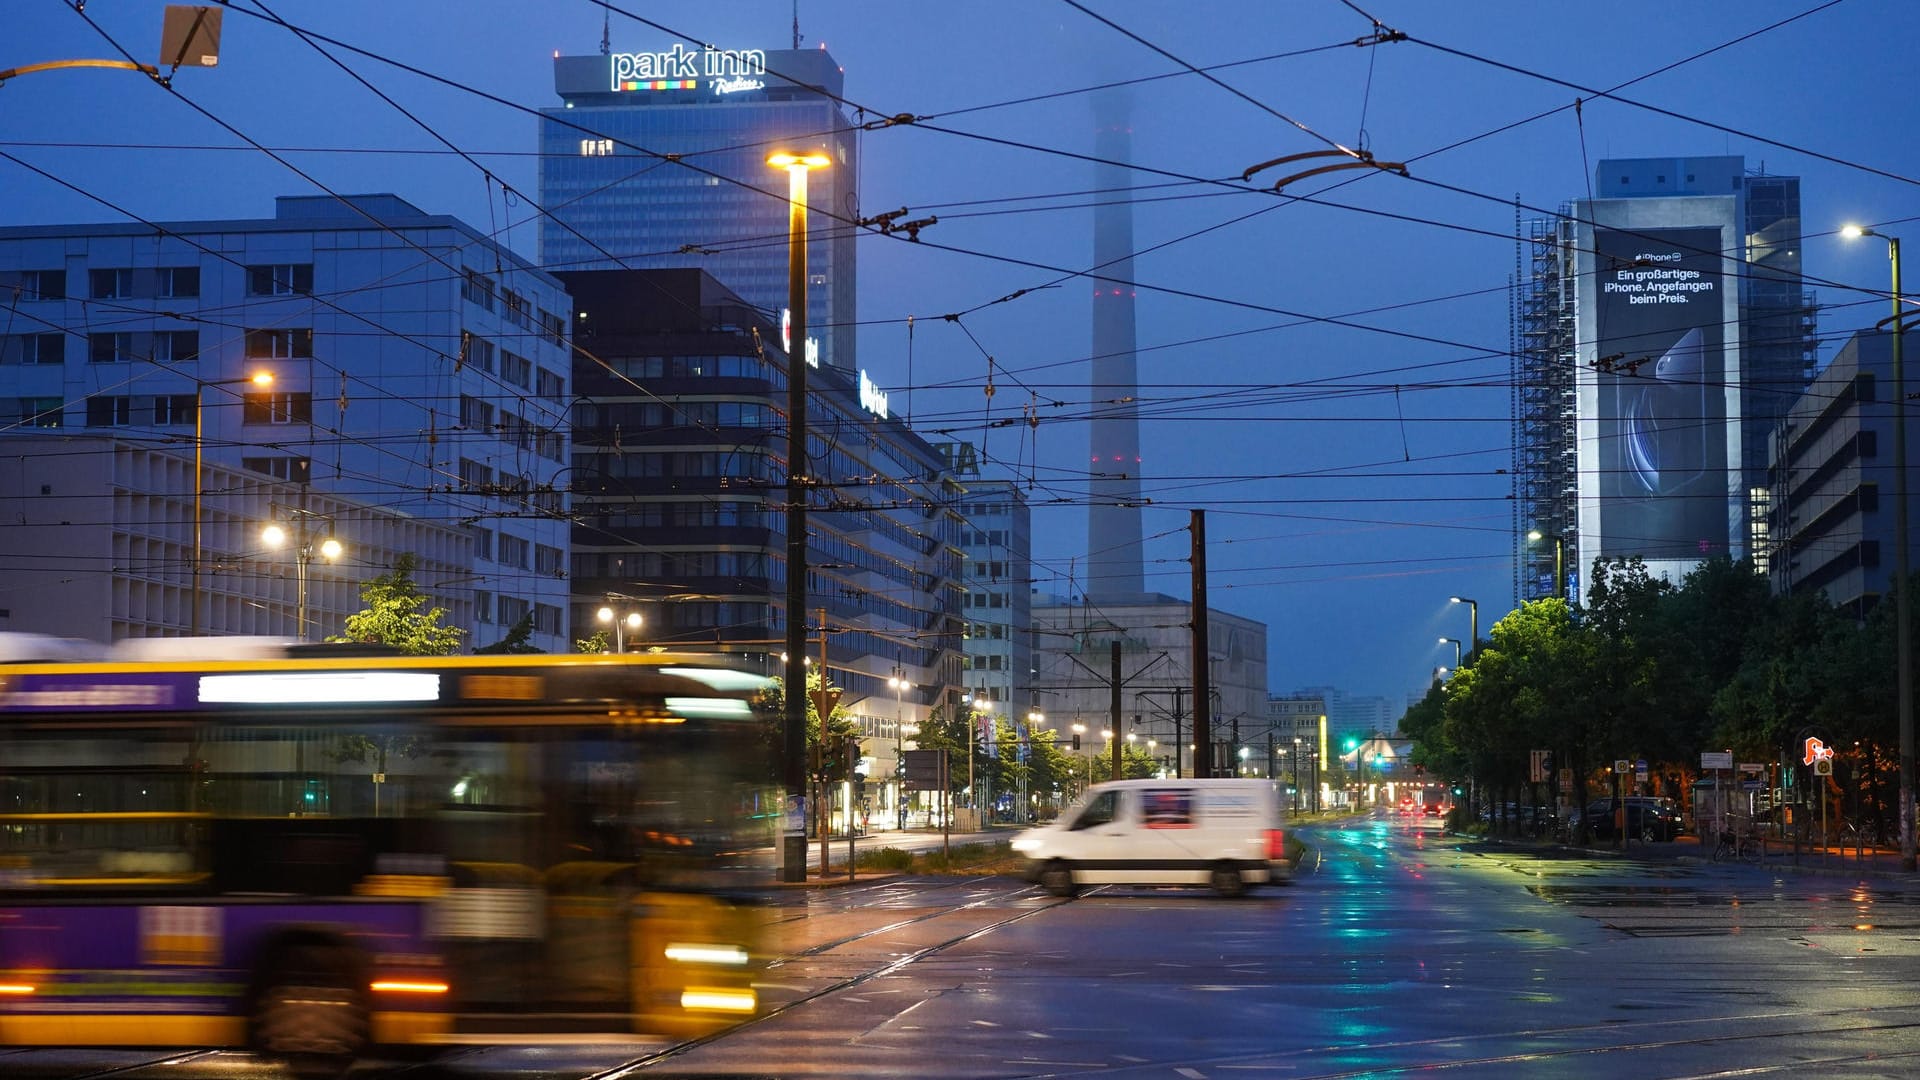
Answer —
1833 480
678 484
100 539
1073 653
997 540
415 366
1661 331
612 202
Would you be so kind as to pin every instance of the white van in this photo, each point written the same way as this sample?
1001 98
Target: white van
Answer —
1223 833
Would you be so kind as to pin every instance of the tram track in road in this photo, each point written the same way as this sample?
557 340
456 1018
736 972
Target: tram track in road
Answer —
640 1064
131 1069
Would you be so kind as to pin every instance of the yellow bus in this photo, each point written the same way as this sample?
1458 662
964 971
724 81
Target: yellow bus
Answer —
316 853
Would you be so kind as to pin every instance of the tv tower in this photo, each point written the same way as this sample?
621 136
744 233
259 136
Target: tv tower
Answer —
1114 555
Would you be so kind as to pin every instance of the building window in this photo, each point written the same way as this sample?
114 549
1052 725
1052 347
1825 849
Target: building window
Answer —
41 412
476 350
110 284
554 326
283 279
172 410
517 370
178 282
483 605
546 618
513 551
475 415
43 285
297 469
547 560
482 542
511 609
109 348
278 407
552 386
475 477
104 411
175 346
43 348
478 289
286 344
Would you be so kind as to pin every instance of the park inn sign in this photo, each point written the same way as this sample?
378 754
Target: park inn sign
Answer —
681 68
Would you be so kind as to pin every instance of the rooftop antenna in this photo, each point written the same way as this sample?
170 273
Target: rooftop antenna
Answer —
796 25
606 31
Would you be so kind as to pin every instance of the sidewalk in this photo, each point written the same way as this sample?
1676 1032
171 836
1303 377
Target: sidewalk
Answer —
913 839
1882 863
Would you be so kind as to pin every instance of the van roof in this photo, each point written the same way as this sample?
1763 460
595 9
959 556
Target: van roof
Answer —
1212 781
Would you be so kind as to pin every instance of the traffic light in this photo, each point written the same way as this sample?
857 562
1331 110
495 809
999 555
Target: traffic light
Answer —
1076 742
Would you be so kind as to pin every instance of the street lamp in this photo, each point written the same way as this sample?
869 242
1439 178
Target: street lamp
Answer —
621 625
1559 558
264 378
794 722
900 686
1456 648
1473 608
276 536
1901 607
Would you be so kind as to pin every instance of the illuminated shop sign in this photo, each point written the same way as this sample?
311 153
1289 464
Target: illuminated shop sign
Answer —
681 68
872 398
786 339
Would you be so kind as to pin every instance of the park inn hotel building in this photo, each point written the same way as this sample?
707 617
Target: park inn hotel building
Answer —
614 204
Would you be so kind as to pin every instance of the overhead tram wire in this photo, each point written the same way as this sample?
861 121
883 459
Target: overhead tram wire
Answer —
938 246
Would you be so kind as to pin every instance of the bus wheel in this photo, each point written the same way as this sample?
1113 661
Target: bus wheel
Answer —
309 1010
1057 878
1226 880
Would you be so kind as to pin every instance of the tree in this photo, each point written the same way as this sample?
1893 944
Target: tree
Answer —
392 616
596 642
517 641
771 706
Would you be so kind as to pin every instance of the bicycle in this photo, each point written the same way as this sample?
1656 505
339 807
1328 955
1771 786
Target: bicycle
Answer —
1741 846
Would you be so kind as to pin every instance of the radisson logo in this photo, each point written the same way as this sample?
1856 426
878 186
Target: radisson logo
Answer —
681 68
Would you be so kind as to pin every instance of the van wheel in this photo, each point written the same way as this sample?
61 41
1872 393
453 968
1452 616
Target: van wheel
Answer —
1226 880
309 1011
1057 878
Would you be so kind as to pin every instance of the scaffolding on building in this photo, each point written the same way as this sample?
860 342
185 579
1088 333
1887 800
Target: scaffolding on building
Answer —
1545 464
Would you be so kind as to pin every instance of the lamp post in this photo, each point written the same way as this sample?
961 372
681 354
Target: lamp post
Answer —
1456 648
794 721
1473 608
275 536
1036 720
1559 559
1902 609
900 686
264 378
621 624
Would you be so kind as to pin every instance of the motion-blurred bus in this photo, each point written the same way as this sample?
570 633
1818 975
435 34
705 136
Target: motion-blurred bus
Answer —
312 854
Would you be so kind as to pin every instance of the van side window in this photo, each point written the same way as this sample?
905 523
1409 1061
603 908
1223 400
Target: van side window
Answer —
1098 812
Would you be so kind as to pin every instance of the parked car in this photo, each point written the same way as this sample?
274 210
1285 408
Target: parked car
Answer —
1648 819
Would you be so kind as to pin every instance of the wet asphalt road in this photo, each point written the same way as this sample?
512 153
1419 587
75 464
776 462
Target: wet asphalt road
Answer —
1397 950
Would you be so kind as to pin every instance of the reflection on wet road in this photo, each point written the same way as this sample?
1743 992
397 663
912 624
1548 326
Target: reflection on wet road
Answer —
1397 949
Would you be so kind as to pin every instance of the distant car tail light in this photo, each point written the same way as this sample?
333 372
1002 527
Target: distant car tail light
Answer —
1276 844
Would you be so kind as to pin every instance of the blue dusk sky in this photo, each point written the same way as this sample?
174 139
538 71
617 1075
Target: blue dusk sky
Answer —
1326 374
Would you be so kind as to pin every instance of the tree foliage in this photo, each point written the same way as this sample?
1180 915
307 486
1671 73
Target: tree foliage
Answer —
517 641
393 616
1655 671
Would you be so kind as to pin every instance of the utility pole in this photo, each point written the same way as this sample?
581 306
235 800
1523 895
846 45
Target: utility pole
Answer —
1113 707
1202 673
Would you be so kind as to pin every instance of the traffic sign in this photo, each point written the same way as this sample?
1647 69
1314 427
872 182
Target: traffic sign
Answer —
1620 766
1816 751
1640 769
1716 759
1824 766
823 702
